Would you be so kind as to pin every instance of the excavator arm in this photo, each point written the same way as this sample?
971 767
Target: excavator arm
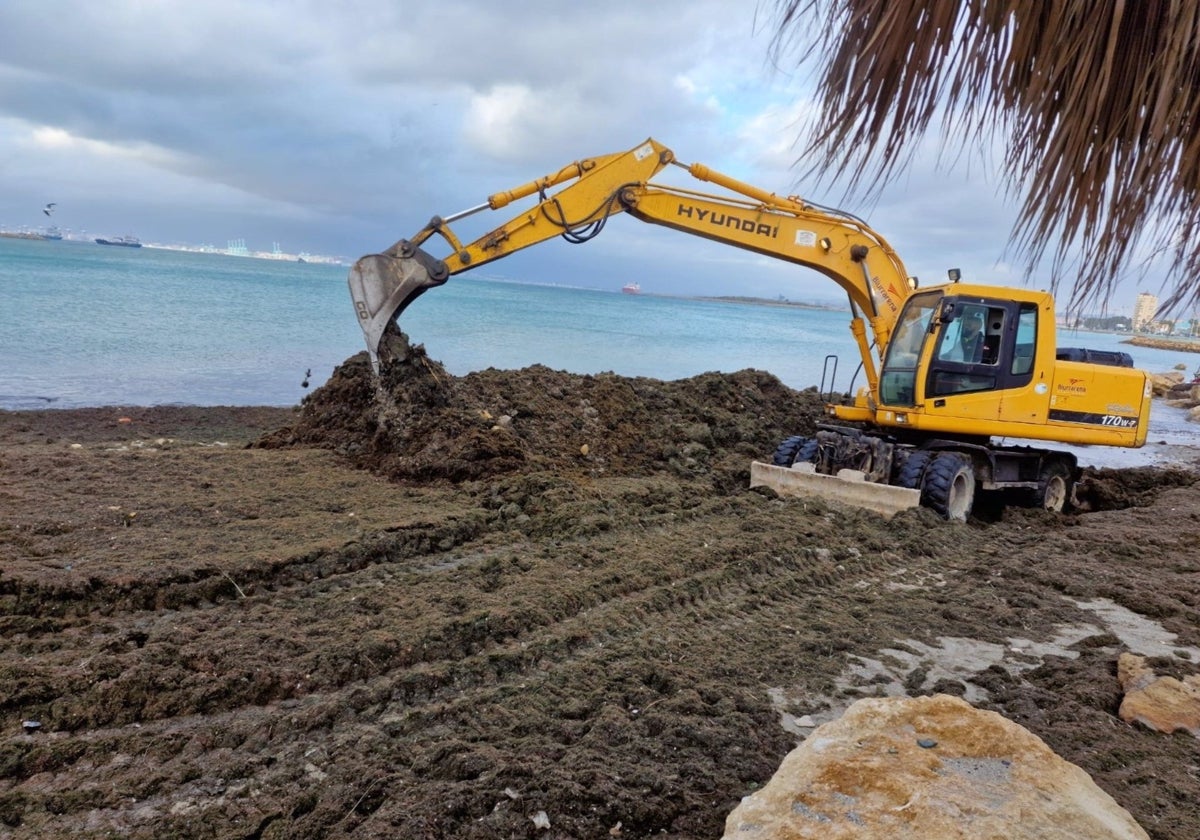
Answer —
837 245
383 285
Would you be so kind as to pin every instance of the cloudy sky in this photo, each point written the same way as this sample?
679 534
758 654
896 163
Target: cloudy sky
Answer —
337 128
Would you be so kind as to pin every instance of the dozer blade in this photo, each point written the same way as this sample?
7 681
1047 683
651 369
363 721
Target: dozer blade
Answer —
383 285
848 487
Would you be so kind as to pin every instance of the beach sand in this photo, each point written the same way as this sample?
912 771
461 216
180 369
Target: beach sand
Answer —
528 596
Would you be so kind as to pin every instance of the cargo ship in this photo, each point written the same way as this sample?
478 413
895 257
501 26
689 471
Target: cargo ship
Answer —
126 241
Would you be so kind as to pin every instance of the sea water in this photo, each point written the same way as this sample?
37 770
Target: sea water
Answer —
90 325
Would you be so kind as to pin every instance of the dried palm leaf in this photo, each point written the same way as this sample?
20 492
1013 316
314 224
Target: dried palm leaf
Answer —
1096 102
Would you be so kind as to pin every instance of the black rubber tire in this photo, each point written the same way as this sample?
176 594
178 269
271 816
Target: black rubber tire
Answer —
808 452
913 470
1054 487
797 449
785 453
949 486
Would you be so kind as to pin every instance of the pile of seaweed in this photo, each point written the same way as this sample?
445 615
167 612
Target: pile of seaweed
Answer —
416 422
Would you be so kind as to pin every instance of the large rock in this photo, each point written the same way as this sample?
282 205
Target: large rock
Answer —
1161 703
1183 395
929 768
1162 383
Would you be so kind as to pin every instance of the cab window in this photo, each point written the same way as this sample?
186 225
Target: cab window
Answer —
898 378
973 336
1022 361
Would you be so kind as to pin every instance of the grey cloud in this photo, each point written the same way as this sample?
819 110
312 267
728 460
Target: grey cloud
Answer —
341 127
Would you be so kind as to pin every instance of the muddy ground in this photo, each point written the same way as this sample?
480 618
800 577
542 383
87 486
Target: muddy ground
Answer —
468 606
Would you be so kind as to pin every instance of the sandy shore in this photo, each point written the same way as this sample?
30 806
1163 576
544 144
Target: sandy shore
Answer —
447 629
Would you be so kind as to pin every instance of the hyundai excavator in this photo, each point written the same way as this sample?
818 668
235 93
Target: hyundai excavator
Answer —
960 377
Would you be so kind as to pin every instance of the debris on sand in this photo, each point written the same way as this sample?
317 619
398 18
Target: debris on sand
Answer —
287 644
416 422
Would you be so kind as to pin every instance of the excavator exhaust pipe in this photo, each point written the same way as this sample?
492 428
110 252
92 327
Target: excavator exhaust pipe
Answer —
383 285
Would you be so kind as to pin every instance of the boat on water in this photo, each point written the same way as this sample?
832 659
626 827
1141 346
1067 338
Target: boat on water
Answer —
52 233
631 289
126 241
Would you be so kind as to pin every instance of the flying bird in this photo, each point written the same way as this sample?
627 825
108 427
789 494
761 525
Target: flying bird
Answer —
49 208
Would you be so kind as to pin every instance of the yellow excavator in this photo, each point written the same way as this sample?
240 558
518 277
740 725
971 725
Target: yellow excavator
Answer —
960 377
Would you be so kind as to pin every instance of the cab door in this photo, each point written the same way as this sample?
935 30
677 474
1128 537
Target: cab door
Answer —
1004 355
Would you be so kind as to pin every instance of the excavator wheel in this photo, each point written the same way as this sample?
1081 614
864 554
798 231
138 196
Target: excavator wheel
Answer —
912 470
949 486
797 449
1054 487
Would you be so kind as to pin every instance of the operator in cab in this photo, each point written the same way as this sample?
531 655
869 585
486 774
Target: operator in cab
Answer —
968 343
971 341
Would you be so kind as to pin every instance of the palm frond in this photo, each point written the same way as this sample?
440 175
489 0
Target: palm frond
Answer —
1095 101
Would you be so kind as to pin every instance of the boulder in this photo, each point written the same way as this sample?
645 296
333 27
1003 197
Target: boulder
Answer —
1162 383
929 768
1164 704
1183 395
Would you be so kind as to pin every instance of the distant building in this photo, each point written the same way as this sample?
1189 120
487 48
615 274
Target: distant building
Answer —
1143 310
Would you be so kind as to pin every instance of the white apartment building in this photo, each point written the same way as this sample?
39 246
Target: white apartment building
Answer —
1144 309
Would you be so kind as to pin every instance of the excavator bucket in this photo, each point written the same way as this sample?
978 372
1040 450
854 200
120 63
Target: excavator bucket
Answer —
848 487
383 285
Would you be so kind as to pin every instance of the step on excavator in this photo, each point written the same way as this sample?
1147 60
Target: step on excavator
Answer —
960 378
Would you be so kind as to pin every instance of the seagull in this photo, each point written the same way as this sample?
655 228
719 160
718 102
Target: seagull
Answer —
48 208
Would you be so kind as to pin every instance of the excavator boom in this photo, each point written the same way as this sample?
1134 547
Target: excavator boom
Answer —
833 243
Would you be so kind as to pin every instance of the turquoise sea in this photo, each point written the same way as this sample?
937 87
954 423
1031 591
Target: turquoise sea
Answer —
90 325
87 325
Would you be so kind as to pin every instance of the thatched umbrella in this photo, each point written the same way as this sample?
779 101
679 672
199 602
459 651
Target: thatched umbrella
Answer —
1095 101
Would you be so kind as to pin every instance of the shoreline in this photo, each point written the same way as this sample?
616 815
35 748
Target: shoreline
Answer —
1168 448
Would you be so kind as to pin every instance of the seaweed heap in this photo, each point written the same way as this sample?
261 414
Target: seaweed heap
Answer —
416 422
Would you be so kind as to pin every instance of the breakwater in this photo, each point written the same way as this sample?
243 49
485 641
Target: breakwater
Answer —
1161 343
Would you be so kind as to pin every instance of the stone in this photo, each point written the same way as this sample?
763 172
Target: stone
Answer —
1164 704
864 776
1162 383
1183 395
